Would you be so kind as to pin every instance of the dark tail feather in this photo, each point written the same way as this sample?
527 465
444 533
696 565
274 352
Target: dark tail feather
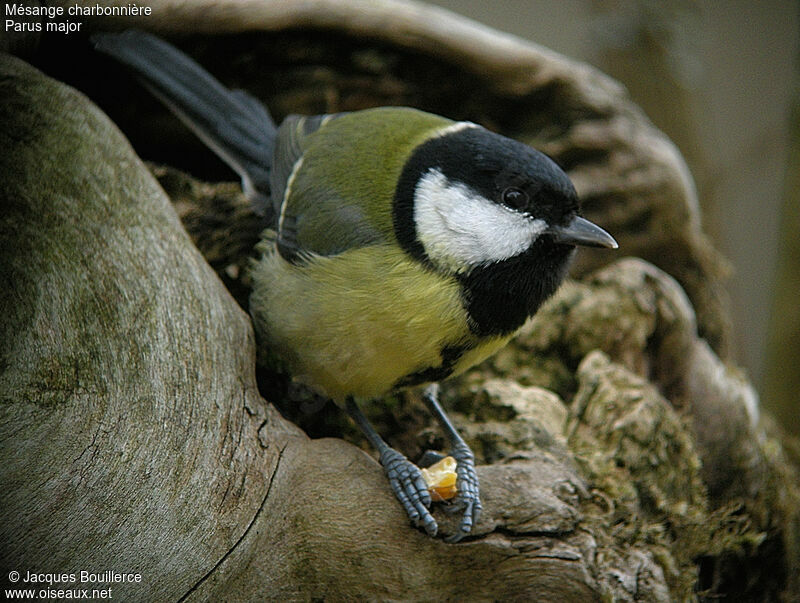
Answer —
236 126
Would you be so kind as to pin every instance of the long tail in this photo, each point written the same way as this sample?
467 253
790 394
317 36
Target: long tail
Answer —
235 125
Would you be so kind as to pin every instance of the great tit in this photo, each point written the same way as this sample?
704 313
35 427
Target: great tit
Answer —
403 247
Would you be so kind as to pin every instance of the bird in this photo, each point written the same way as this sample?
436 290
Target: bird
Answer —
401 248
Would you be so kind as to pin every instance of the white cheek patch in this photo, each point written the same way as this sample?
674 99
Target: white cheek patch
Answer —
461 229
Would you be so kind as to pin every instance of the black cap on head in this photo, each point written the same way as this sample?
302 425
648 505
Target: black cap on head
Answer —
491 164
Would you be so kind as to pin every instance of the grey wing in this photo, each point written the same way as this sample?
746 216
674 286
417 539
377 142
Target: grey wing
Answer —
290 144
319 223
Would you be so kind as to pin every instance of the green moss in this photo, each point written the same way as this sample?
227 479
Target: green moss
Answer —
638 454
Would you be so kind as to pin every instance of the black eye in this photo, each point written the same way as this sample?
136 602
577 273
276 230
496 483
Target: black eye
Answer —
515 198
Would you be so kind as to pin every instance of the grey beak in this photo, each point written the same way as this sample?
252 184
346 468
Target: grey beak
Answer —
582 232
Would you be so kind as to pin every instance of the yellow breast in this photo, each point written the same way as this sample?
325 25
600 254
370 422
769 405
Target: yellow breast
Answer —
356 323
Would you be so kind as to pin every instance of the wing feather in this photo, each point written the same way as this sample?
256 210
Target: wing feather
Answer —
334 177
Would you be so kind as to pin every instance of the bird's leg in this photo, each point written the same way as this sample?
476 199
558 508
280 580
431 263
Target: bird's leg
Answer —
404 476
468 497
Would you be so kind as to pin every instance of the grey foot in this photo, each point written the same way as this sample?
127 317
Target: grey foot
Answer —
430 457
468 498
410 489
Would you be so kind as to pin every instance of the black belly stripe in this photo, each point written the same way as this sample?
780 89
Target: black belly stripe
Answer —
450 356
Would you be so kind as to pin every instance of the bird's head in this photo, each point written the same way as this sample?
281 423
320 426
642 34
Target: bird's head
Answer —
469 198
493 212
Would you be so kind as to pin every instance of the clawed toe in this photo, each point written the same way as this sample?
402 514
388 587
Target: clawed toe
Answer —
410 489
408 484
468 499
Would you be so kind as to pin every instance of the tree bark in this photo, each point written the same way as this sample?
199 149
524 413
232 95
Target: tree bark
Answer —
620 457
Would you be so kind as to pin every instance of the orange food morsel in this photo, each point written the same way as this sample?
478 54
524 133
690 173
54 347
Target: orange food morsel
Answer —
441 479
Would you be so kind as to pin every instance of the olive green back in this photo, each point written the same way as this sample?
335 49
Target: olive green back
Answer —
340 196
